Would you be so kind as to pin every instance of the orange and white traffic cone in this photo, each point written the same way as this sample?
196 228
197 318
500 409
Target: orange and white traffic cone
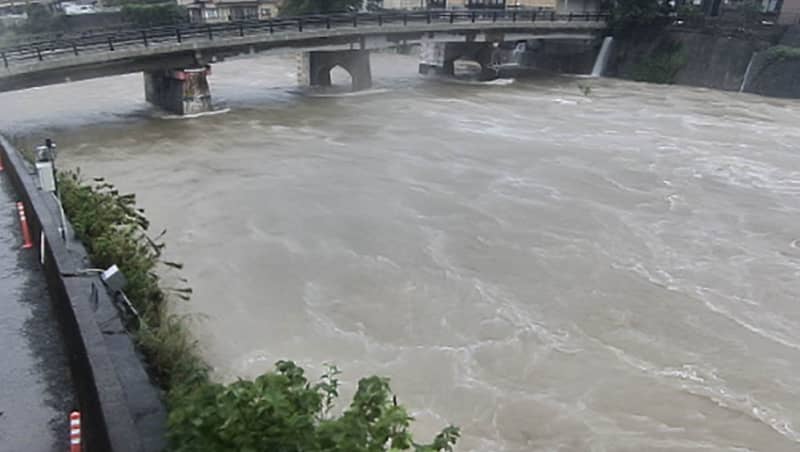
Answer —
23 222
74 431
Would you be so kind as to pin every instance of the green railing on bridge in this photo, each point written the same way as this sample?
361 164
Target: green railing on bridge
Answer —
76 44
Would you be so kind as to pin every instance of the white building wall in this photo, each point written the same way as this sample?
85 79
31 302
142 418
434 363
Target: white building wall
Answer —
403 4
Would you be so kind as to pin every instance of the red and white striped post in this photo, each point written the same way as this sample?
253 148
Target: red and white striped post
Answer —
74 431
23 222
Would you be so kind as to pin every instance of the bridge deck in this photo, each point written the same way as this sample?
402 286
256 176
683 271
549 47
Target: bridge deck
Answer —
81 57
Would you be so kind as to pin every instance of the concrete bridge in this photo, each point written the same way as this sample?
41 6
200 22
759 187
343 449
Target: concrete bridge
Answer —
176 60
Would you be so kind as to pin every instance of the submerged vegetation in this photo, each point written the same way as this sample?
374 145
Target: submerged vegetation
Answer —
280 411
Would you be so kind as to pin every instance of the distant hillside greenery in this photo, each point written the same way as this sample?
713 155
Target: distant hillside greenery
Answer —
628 16
302 7
149 15
42 20
662 64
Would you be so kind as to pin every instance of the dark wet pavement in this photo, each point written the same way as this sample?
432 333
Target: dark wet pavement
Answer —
35 385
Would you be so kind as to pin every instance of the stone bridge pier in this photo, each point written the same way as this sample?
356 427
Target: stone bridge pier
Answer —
439 57
315 67
179 91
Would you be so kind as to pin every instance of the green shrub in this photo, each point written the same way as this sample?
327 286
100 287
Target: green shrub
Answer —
631 16
114 231
750 11
282 412
688 10
147 15
781 53
301 7
662 65
41 19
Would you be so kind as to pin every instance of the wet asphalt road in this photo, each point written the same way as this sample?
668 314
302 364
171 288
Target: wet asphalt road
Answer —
35 384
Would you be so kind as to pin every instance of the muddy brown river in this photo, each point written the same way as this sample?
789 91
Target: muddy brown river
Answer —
549 270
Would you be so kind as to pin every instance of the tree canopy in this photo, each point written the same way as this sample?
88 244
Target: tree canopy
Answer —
149 15
301 7
631 15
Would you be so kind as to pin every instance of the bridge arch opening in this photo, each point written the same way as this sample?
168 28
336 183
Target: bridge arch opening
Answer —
340 76
335 76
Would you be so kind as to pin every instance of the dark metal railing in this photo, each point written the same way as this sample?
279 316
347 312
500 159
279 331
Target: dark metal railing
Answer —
110 41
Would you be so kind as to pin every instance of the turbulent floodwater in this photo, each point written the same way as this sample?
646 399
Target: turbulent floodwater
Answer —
550 271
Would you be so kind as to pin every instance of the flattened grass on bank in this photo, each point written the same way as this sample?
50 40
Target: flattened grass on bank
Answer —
280 411
114 231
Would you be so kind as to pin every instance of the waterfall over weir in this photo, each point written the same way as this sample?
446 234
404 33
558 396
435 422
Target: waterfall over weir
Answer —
602 57
747 73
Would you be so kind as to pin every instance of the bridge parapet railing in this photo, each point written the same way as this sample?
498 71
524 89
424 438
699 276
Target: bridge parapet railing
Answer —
110 41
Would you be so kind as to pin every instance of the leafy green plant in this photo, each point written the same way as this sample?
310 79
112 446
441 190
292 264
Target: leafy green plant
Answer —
782 53
282 412
662 65
750 11
630 16
301 7
688 10
114 232
148 15
41 19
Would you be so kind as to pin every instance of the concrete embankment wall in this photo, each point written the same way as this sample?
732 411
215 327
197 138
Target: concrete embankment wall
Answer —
715 59
776 71
775 77
712 61
121 409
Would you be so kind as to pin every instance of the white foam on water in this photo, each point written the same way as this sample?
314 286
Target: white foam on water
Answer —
499 82
460 81
664 279
706 383
749 173
366 92
748 324
674 200
563 101
221 111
